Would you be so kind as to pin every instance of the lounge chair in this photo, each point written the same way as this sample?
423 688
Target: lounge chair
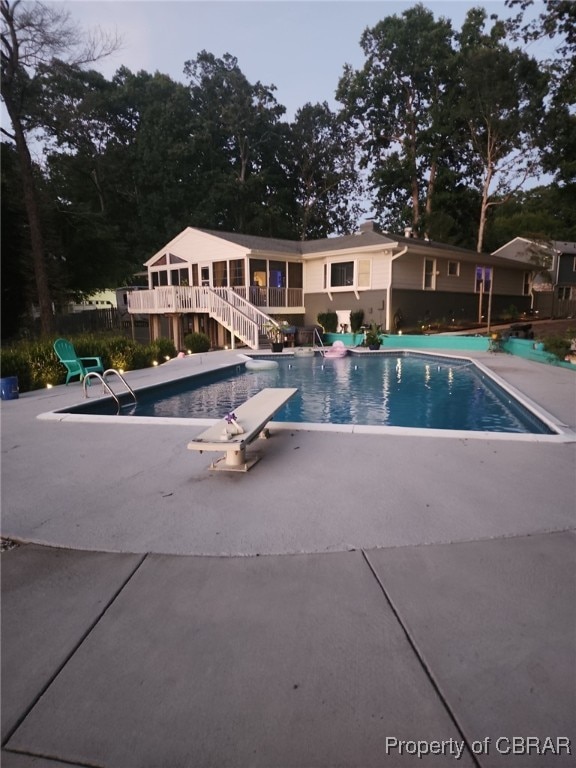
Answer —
76 366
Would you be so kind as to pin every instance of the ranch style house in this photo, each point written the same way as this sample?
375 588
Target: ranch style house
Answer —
233 287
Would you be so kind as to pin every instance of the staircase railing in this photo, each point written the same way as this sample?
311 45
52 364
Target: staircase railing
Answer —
225 305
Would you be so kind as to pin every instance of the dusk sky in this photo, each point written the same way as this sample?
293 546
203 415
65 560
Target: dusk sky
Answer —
299 46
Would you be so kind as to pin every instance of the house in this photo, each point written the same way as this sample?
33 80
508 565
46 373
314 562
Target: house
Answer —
559 279
230 286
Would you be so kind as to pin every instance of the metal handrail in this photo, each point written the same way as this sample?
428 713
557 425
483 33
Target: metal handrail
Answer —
122 379
322 347
105 385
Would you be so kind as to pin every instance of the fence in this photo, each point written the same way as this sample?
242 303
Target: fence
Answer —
94 321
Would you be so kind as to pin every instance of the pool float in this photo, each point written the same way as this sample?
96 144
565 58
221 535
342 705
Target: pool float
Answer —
261 365
253 364
336 350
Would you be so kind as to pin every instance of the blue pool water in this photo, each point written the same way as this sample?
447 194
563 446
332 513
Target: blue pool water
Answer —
387 390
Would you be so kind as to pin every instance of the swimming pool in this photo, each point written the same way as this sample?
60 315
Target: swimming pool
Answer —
383 389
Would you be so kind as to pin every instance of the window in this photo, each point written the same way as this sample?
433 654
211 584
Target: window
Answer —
429 274
483 279
564 292
159 278
237 272
258 272
341 274
453 269
295 275
179 276
277 274
526 284
574 265
220 274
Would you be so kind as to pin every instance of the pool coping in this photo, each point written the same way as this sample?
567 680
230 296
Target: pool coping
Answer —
562 432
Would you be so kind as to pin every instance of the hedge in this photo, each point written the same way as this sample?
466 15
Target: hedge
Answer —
36 365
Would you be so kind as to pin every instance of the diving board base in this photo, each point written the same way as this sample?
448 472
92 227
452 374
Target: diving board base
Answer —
252 416
223 464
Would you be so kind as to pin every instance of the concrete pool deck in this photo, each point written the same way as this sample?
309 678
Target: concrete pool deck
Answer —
349 591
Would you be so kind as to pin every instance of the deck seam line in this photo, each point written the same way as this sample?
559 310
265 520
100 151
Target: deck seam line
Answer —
72 652
426 668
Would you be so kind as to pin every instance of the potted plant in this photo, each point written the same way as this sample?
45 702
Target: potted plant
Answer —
276 336
372 338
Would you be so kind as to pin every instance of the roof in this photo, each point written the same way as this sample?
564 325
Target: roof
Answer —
302 247
341 242
565 248
368 236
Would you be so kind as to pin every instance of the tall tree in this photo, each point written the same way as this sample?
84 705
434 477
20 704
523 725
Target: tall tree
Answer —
398 102
501 105
33 35
118 164
237 134
557 141
14 241
322 152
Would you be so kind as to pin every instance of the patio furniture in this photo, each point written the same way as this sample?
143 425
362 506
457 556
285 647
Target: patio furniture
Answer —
495 343
239 429
76 366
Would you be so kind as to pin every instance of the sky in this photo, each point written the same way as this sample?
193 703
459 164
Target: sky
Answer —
298 46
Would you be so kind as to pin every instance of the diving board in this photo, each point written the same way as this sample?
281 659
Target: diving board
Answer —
251 417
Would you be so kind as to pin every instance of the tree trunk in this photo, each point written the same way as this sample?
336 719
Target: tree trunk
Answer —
33 215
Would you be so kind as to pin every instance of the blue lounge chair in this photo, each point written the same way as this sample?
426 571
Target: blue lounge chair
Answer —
76 366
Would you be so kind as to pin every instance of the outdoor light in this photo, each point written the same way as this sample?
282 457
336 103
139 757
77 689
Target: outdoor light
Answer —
166 357
120 370
49 386
189 351
225 346
399 333
155 362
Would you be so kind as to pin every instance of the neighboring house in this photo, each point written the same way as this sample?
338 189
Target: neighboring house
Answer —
230 285
98 300
560 259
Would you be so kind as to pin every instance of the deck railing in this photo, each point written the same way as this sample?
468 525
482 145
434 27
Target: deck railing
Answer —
226 305
181 298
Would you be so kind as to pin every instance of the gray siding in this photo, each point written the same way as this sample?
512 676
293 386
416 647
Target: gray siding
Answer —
372 302
421 307
408 273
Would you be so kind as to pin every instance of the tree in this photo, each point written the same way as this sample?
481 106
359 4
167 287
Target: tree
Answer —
121 163
541 213
238 137
13 284
501 106
557 142
32 36
398 103
327 186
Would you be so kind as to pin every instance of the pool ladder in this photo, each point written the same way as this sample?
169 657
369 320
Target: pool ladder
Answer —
106 386
319 337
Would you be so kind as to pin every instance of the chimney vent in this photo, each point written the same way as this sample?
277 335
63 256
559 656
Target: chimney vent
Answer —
369 226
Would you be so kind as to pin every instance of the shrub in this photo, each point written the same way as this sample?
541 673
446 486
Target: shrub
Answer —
163 348
197 342
356 320
36 364
557 345
328 320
